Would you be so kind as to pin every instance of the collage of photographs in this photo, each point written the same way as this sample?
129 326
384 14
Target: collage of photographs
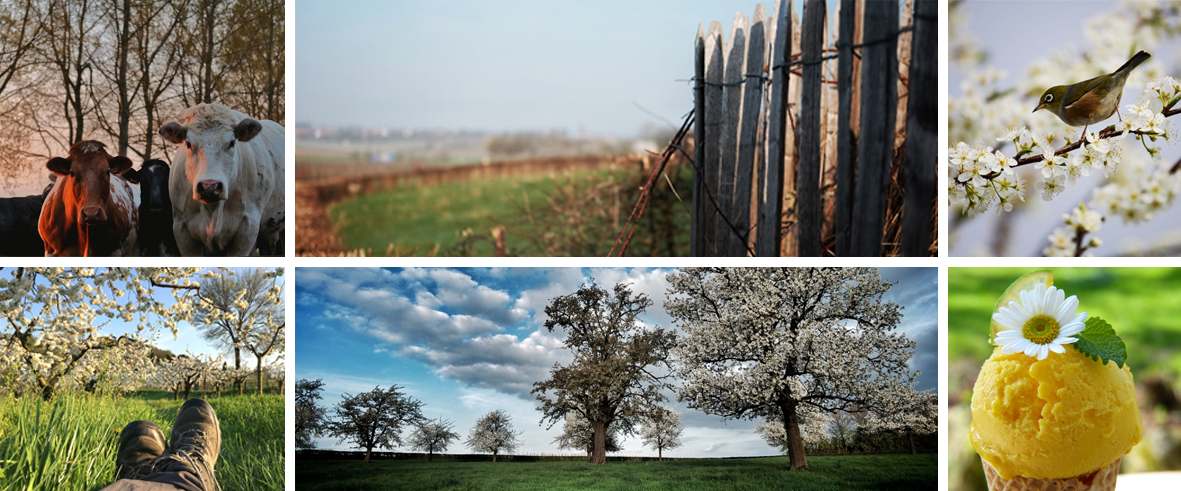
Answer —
254 245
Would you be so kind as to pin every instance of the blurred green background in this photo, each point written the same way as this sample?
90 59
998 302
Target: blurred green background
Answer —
1143 305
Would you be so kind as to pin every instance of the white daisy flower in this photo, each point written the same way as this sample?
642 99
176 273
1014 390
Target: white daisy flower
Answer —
1042 322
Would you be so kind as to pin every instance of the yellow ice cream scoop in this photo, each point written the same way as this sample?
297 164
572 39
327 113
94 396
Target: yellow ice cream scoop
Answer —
1060 417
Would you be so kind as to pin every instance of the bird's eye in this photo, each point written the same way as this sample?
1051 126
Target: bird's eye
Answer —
1049 97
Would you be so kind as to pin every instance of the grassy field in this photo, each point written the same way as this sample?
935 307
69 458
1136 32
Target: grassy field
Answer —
884 472
70 442
1139 303
429 220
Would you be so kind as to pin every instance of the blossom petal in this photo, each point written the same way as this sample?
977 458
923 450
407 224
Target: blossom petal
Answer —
1066 309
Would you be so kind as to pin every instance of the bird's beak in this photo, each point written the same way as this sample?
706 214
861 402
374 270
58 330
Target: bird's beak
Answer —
1039 106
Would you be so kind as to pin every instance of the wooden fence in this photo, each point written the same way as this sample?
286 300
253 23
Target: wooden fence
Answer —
790 152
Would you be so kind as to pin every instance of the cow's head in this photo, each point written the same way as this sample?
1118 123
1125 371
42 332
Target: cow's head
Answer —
152 178
88 172
210 135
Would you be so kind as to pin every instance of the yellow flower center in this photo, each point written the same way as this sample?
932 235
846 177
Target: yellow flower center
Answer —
1040 329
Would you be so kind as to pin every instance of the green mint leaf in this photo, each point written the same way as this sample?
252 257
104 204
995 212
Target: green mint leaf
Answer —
1099 341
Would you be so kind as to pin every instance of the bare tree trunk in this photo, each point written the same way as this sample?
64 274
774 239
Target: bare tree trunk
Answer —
795 441
910 436
493 456
258 373
368 452
600 454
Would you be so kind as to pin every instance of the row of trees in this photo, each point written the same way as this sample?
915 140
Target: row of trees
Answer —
785 345
115 70
377 418
51 336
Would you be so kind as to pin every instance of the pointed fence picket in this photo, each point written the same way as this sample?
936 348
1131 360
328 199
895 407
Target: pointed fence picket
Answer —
796 134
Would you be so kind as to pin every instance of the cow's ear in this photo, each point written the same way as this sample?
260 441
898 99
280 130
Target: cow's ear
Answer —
59 166
119 164
131 175
174 132
246 129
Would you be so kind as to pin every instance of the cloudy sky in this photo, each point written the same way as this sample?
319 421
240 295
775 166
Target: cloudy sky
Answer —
468 341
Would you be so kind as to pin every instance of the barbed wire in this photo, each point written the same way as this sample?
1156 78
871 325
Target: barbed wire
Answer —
673 146
815 61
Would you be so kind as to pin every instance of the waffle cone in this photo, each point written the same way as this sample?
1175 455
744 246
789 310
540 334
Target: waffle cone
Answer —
1102 479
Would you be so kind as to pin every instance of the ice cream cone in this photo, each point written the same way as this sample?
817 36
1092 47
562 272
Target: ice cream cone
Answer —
1102 479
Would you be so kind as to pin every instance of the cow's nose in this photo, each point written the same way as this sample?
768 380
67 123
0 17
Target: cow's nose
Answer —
210 190
92 214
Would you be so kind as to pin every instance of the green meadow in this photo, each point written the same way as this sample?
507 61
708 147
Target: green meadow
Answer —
571 214
69 443
835 473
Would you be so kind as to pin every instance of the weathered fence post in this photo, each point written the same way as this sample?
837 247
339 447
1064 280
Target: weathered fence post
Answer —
714 64
771 209
735 60
879 96
696 237
808 131
846 144
752 101
921 131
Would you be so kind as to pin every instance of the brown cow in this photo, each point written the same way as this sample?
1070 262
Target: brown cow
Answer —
87 212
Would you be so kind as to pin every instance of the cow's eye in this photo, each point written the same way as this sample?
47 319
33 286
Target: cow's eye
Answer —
230 145
188 145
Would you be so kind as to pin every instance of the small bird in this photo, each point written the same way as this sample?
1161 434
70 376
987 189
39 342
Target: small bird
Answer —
1090 101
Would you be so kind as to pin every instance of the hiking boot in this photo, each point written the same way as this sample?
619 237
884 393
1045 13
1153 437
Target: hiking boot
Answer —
196 443
140 444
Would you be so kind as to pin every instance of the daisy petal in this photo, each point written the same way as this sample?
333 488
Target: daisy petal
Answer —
1043 351
1057 348
1067 308
1071 329
1033 349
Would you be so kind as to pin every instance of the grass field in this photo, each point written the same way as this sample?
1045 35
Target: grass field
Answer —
70 442
884 472
424 220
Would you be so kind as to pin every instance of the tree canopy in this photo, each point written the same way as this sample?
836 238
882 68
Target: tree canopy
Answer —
375 419
494 434
769 342
611 382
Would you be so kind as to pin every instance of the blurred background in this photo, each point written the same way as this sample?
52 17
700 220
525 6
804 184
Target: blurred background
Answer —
518 128
1139 303
996 72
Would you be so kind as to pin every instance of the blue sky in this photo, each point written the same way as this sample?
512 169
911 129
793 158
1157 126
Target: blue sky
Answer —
517 65
468 341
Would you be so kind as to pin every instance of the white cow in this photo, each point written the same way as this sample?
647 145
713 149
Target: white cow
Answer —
231 181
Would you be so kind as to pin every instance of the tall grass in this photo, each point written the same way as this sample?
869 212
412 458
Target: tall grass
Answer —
70 442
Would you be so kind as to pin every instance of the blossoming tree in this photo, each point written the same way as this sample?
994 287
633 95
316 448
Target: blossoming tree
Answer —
610 382
662 429
53 316
433 436
494 434
1003 152
771 342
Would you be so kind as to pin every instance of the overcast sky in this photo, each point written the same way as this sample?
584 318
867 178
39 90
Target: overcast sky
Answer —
468 341
501 65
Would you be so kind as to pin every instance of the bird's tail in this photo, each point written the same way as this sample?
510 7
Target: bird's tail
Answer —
1136 60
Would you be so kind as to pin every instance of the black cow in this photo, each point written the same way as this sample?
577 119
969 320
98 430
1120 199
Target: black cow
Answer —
18 226
155 209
